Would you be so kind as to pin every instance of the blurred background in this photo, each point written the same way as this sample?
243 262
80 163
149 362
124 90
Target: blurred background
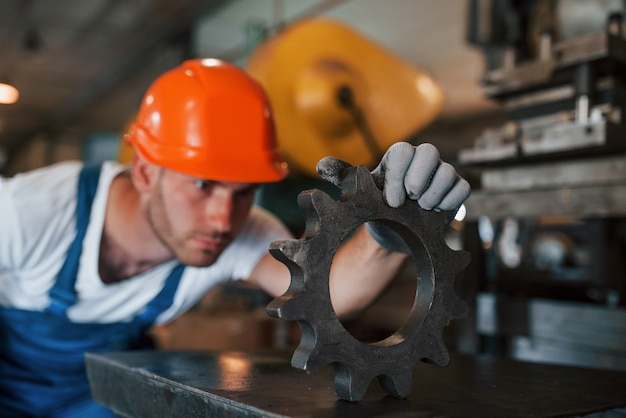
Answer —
523 97
82 66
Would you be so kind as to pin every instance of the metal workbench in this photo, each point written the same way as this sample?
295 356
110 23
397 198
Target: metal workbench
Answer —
209 384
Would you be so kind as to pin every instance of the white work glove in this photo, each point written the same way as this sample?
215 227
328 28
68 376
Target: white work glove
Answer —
410 171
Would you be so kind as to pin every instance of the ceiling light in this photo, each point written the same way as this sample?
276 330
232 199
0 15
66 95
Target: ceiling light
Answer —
8 93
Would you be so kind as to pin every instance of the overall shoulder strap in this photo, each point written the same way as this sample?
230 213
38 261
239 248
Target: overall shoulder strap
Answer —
63 293
164 299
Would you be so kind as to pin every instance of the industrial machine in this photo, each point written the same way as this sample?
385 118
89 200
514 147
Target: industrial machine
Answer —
549 212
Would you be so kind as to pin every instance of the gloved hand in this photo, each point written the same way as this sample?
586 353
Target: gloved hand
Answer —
410 171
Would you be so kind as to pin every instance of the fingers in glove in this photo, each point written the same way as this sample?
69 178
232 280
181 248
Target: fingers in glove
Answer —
331 169
421 170
391 171
456 196
444 178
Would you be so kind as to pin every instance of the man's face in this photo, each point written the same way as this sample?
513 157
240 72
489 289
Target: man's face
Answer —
197 219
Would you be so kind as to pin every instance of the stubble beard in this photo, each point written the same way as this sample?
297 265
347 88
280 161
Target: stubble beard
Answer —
162 227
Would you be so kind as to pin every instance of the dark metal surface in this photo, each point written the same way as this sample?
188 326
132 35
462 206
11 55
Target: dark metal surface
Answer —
324 339
202 384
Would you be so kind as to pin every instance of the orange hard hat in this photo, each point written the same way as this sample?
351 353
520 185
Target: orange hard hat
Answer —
208 119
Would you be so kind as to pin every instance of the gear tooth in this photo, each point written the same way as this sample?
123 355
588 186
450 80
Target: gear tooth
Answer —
349 384
398 385
437 352
461 260
366 180
459 308
311 217
313 202
300 359
285 307
313 205
449 303
285 250
307 356
359 178
301 355
321 201
315 361
455 262
464 258
453 307
349 183
273 308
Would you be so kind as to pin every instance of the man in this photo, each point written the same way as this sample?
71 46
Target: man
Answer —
91 257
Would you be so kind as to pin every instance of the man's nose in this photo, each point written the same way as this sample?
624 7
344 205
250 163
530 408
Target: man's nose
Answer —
220 210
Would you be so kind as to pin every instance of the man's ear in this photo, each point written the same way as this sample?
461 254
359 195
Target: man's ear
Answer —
144 174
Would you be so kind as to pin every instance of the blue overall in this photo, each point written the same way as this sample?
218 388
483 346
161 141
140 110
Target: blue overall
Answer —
42 369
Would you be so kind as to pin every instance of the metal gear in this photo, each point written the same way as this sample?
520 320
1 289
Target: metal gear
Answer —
324 340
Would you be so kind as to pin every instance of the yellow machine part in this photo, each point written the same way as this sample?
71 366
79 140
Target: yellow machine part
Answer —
305 69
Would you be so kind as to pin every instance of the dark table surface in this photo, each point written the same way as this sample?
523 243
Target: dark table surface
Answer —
209 384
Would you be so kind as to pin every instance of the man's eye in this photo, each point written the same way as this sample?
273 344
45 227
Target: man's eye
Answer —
204 185
247 192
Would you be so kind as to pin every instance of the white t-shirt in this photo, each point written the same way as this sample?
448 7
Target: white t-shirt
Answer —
38 224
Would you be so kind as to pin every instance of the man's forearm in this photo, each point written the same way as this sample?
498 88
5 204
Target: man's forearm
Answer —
360 271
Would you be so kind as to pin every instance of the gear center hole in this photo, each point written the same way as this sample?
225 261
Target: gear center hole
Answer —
401 308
